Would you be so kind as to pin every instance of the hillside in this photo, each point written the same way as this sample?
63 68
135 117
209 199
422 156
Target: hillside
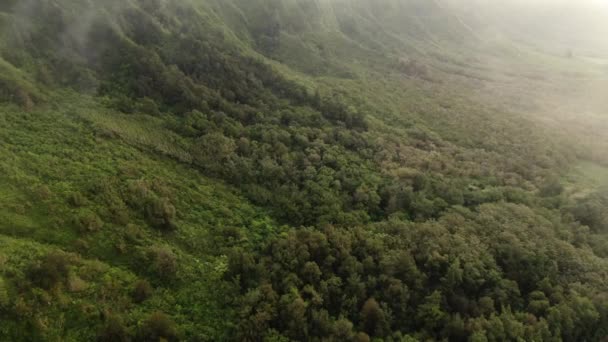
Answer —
282 170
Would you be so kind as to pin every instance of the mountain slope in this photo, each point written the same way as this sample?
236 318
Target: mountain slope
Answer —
288 170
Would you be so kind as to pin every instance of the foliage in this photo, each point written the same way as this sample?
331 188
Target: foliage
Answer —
263 170
158 327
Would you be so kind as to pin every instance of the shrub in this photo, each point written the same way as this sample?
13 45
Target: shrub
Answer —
4 296
591 212
148 106
81 245
212 149
77 199
123 104
43 193
163 262
551 187
414 68
161 213
361 337
133 233
113 331
142 290
158 327
76 284
52 270
88 221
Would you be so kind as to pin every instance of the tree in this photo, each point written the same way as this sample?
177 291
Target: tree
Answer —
342 330
551 187
430 313
373 319
295 315
113 330
213 150
158 327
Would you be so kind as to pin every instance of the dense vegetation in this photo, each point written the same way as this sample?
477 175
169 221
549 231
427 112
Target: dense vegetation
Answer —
277 170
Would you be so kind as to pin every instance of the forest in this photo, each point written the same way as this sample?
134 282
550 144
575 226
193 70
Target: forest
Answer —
282 170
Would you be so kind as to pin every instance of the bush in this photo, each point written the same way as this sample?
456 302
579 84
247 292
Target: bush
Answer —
88 221
148 106
77 199
113 331
161 213
414 68
163 262
43 193
142 291
158 327
52 270
4 296
591 212
123 104
551 187
213 149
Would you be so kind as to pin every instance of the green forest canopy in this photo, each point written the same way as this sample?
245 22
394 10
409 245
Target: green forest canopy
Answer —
279 170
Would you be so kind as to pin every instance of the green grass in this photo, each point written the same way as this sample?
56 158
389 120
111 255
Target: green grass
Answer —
585 178
594 173
47 155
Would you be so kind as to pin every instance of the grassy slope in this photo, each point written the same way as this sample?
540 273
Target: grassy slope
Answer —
48 155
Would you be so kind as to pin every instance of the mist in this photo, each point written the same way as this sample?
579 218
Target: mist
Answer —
550 24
